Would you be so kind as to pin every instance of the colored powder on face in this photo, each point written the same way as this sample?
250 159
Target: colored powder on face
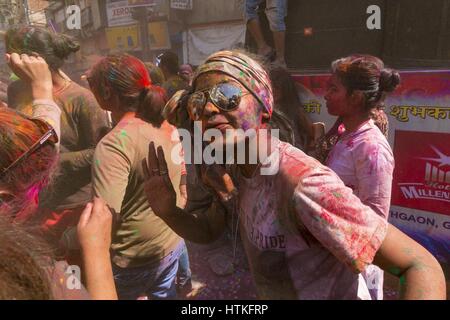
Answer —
245 125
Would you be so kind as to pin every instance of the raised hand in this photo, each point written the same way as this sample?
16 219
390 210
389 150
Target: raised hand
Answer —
159 189
32 69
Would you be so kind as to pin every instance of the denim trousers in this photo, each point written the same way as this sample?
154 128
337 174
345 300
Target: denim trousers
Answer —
184 269
155 280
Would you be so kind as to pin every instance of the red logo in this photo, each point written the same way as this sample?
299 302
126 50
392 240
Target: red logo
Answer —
422 171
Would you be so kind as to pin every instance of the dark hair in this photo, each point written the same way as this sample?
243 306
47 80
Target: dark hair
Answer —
291 106
53 47
366 73
128 79
25 257
155 73
169 60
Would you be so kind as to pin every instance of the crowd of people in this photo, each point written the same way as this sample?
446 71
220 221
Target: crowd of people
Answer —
110 197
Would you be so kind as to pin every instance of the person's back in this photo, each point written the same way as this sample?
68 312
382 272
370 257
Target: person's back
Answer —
118 177
145 250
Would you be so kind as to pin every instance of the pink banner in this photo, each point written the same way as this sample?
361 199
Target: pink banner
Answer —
419 134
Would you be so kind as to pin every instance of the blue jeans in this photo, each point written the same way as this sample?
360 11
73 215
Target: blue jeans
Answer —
184 270
276 11
155 280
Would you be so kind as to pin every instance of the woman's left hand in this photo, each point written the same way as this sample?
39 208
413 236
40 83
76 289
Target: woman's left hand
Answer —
159 189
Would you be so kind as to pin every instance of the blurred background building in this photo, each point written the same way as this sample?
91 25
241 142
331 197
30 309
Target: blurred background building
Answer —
145 28
318 31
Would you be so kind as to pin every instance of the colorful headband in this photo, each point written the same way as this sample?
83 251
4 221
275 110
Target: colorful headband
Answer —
243 69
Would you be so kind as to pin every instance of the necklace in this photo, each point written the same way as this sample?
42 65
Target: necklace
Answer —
67 83
65 86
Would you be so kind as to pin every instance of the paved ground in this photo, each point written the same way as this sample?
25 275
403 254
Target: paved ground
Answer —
238 284
208 285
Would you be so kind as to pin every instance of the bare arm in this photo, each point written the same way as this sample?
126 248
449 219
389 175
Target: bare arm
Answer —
202 224
357 236
94 233
421 276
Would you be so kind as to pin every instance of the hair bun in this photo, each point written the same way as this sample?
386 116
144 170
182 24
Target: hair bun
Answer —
63 45
389 80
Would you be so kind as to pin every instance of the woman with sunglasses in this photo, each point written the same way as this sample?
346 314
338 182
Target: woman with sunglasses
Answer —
145 250
306 235
27 161
83 123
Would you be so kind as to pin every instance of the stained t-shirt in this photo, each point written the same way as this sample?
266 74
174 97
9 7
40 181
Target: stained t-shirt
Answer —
83 124
140 237
364 161
306 235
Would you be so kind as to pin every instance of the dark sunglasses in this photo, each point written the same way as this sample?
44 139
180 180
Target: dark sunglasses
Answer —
49 135
225 96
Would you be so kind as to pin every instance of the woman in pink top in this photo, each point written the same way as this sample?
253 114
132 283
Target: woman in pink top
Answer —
305 234
362 157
